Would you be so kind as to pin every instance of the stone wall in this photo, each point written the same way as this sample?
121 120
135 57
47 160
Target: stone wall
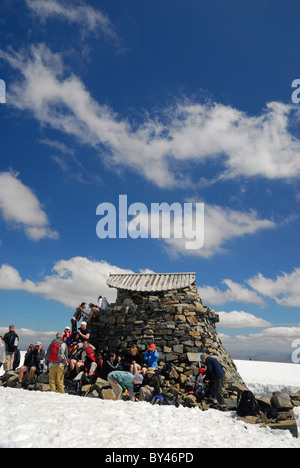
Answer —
176 321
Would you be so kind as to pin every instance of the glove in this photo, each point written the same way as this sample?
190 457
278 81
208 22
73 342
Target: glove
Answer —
123 385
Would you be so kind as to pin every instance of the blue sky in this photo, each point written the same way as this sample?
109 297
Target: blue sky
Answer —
164 102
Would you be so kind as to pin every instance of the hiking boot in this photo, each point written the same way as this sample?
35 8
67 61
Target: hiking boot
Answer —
18 385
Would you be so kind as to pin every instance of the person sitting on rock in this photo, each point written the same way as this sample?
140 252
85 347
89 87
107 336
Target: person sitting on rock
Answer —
111 364
88 369
77 362
103 303
83 334
67 334
33 363
151 356
133 361
95 312
150 386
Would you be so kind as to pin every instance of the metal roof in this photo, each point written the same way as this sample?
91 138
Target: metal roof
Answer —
151 281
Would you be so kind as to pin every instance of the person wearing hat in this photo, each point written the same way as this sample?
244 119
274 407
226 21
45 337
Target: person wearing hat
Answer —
33 363
151 356
83 333
122 380
150 385
215 374
67 334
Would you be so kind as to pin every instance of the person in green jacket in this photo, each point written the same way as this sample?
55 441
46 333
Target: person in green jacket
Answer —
122 380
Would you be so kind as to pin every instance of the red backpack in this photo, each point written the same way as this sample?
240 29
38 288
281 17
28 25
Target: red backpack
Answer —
56 352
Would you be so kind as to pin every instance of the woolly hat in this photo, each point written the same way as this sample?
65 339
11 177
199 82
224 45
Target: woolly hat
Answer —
138 378
151 347
202 357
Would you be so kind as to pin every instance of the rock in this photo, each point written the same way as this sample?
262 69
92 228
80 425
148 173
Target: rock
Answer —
193 357
291 426
281 401
107 394
237 386
263 402
295 399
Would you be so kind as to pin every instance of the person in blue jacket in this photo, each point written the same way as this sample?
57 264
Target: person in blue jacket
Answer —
215 374
151 356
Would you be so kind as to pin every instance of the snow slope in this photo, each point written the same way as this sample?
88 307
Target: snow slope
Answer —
263 378
32 419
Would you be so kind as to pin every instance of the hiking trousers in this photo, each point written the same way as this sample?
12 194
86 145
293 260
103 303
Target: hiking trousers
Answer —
56 379
118 391
216 391
146 393
9 361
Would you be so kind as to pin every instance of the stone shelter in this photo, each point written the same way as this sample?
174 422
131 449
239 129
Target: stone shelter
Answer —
165 309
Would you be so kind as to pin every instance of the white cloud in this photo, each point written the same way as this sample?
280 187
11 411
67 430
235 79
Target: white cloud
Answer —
234 293
241 319
243 145
273 341
80 13
221 226
11 280
72 281
285 289
21 209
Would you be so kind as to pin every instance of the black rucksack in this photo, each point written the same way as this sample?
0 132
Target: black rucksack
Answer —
165 399
12 343
246 404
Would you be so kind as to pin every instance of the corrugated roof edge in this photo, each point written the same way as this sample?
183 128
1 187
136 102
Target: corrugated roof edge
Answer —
158 282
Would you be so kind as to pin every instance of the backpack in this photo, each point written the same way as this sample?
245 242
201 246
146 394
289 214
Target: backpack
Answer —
72 387
12 343
56 353
246 404
165 399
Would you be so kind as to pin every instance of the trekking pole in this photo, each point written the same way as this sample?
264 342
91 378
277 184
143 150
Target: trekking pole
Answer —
127 391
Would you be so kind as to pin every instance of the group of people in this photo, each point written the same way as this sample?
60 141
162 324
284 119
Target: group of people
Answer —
71 357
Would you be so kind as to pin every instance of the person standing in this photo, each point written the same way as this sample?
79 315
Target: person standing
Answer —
79 314
215 374
57 359
11 340
122 380
2 352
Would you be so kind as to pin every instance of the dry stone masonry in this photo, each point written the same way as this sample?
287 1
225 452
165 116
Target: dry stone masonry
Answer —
164 309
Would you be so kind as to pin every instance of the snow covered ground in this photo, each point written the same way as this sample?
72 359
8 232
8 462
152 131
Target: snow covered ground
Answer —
31 419
263 378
